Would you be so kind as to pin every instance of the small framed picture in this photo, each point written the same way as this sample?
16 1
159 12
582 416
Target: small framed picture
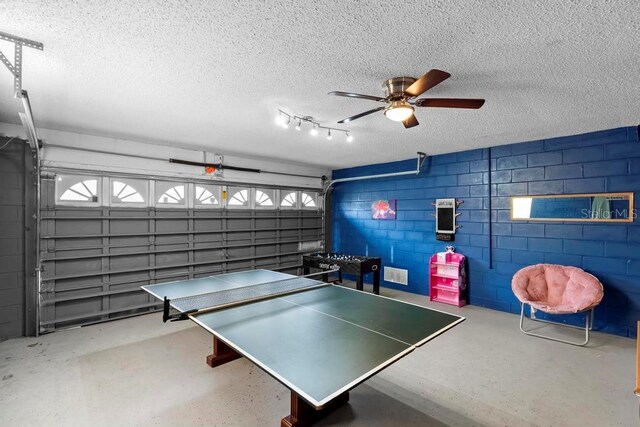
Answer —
383 209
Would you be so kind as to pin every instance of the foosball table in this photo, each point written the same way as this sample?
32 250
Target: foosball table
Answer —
350 264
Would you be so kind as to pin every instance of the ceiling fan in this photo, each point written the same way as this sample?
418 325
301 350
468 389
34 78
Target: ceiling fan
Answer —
400 92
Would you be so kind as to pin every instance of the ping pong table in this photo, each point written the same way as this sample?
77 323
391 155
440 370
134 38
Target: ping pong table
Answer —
318 339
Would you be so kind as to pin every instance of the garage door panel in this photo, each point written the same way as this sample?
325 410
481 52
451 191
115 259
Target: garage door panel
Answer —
239 252
238 224
309 234
208 270
212 237
73 267
289 222
289 259
239 237
161 214
288 247
173 271
209 255
266 235
78 227
129 249
213 244
208 225
58 244
123 302
163 240
75 253
266 250
239 265
128 212
52 287
125 241
311 222
266 223
129 226
90 307
128 262
130 276
289 234
172 225
208 213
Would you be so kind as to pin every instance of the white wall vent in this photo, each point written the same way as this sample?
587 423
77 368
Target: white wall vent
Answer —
396 275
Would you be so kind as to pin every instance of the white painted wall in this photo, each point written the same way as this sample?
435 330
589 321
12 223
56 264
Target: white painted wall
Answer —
82 151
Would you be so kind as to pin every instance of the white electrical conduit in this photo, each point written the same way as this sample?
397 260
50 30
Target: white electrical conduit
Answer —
420 159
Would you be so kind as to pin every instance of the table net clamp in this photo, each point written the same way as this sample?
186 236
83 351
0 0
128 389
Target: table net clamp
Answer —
180 308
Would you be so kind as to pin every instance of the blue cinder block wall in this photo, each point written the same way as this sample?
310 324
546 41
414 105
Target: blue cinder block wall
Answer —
604 161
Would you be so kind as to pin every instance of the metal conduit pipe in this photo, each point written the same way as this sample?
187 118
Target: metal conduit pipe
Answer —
420 161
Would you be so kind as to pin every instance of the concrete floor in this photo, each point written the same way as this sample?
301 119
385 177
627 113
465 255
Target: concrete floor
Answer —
140 371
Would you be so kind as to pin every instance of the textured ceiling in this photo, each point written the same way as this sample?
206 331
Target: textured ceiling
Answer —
212 74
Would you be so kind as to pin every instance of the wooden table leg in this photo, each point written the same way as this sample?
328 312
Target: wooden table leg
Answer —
303 414
222 354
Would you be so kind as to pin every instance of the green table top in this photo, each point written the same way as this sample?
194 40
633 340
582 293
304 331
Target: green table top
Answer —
322 342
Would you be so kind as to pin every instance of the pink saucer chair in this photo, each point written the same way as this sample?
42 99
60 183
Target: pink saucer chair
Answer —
557 289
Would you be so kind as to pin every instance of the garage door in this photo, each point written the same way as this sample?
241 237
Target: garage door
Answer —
102 237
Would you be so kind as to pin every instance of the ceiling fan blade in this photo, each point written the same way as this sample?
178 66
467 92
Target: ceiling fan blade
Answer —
450 103
357 116
356 95
426 82
410 122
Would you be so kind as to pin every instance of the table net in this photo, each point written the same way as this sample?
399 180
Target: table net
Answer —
229 297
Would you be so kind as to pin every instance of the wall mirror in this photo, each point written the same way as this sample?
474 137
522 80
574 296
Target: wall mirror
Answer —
600 207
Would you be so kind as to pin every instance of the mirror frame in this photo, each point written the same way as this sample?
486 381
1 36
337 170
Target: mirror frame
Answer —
548 196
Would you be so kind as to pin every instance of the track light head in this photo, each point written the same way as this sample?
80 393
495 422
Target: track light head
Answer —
299 125
329 135
314 130
286 124
349 137
280 120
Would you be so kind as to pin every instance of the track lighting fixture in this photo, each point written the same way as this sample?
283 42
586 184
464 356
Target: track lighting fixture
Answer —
284 119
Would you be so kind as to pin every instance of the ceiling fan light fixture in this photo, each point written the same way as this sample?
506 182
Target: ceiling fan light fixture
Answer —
399 111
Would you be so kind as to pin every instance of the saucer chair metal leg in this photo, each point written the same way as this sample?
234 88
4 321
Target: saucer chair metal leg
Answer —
587 327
